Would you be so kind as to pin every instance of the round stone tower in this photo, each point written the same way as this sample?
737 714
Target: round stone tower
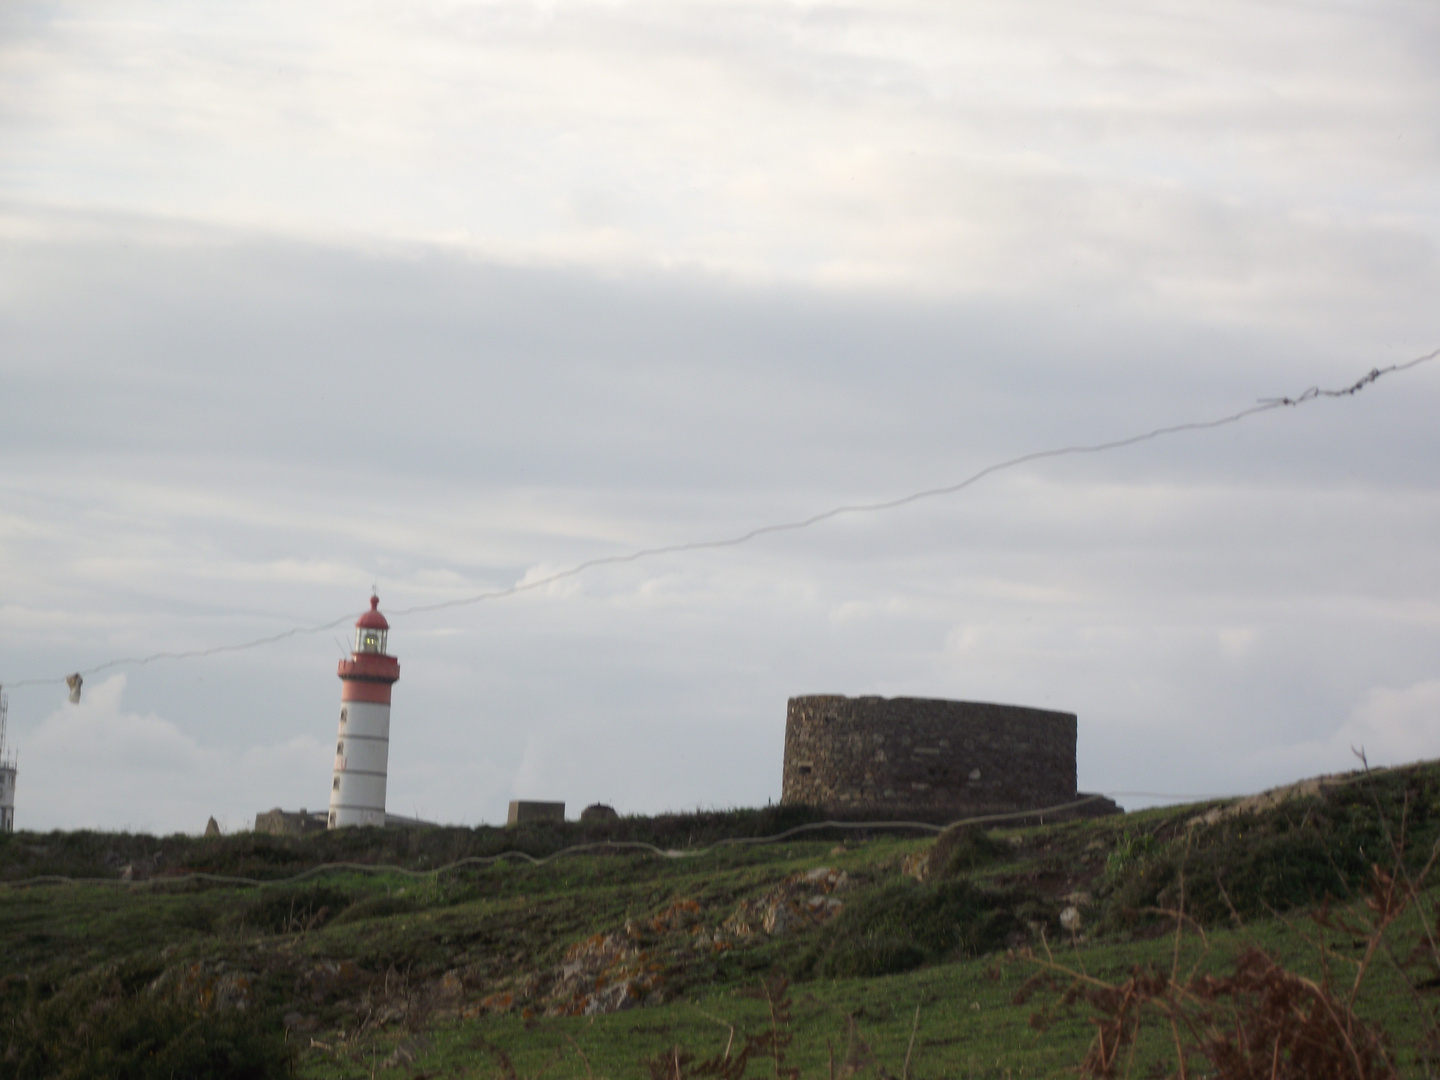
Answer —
928 758
362 748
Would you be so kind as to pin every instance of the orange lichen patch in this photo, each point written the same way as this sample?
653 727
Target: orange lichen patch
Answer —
593 944
916 864
331 978
801 900
680 914
639 962
501 1002
605 973
211 986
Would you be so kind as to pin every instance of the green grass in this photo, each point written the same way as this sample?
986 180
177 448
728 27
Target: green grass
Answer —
969 1025
351 969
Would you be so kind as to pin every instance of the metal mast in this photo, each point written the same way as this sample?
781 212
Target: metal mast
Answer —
7 770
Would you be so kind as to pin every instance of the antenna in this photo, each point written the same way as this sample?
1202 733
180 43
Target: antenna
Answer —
7 771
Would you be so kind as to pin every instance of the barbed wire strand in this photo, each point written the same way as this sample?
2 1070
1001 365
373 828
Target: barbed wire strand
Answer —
1264 405
1370 772
575 849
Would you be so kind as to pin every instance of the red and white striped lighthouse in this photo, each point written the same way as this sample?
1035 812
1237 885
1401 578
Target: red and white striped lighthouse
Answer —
362 749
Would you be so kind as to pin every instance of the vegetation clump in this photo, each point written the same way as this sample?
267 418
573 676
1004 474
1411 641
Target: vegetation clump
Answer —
376 907
963 849
1238 866
288 911
160 970
118 1026
903 925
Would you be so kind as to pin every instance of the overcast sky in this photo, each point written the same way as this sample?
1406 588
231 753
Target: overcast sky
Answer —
446 296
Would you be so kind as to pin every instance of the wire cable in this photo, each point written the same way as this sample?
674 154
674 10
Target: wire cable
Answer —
574 849
612 846
1263 405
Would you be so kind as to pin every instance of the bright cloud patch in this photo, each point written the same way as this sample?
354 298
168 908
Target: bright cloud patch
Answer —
95 765
1396 726
1391 727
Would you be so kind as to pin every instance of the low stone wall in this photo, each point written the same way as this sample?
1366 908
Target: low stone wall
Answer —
522 811
933 759
279 822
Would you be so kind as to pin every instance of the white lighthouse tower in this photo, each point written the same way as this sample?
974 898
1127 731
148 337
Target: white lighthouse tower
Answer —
7 772
362 749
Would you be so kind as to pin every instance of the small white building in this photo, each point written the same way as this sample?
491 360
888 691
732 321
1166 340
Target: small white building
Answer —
7 771
362 745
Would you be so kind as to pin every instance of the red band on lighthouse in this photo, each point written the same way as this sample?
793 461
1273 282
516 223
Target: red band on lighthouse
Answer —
354 690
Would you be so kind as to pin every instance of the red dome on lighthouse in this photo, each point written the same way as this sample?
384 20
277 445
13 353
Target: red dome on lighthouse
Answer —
372 619
371 630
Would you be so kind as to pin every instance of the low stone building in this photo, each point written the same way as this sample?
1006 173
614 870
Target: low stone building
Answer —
522 810
279 822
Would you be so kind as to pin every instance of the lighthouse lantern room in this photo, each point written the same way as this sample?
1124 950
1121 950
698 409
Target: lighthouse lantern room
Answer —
362 747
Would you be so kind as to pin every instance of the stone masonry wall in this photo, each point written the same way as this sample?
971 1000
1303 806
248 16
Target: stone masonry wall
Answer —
931 758
279 822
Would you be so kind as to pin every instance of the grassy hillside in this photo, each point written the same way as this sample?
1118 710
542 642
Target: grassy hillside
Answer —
869 948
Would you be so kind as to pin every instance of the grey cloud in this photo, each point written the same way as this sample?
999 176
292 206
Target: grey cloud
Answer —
443 297
222 439
989 148
299 354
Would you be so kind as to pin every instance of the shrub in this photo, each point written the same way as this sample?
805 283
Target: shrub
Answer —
1293 854
1131 853
375 907
196 916
287 911
104 1030
904 925
964 849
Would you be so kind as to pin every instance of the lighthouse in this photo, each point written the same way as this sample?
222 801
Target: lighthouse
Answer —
362 747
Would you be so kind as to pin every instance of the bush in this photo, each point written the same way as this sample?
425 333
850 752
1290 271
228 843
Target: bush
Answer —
1288 856
868 957
104 1031
287 911
903 925
197 916
1132 852
964 849
375 907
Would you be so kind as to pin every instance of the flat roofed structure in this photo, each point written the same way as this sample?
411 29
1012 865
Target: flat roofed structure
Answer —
522 811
